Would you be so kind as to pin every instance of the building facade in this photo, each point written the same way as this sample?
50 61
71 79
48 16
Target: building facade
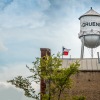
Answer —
86 82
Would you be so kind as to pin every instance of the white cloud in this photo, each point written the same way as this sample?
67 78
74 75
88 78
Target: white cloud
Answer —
5 85
21 14
9 92
8 72
34 20
44 4
3 47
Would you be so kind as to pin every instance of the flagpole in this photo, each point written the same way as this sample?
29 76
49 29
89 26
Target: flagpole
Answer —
62 52
70 57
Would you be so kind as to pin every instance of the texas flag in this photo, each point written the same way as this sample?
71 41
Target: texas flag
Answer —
66 51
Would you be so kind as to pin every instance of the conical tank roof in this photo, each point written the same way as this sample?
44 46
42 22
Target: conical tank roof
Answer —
91 12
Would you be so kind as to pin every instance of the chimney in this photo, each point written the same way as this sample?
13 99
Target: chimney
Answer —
44 52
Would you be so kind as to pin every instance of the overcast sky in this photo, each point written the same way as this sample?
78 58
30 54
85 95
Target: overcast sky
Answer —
28 25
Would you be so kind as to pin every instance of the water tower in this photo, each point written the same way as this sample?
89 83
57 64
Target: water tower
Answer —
89 30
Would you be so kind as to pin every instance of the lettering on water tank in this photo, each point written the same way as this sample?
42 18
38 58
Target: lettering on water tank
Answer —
90 24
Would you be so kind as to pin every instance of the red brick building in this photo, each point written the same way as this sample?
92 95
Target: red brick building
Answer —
86 82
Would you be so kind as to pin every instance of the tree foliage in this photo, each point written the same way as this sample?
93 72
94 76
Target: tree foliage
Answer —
79 98
48 68
25 84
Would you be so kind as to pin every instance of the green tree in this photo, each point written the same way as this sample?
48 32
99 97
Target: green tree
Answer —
48 68
79 98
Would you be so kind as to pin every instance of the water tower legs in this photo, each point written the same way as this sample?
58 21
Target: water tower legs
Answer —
82 48
91 52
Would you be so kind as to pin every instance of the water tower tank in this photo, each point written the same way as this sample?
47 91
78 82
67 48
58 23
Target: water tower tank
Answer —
89 30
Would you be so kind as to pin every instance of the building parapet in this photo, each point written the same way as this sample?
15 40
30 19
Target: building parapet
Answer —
86 64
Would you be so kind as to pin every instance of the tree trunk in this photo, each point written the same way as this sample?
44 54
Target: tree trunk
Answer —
59 94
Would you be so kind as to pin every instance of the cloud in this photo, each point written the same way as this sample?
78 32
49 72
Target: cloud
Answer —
9 92
39 13
2 46
36 13
5 85
8 72
22 13
4 4
37 19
